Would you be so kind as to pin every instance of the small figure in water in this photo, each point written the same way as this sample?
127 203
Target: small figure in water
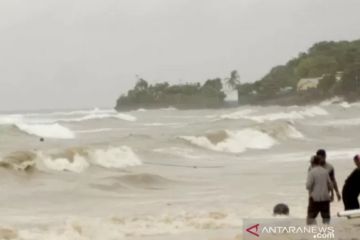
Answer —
281 209
351 189
42 139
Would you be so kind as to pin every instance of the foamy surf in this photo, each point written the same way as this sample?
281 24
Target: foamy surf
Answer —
119 157
237 115
46 130
75 160
117 228
292 115
233 141
120 116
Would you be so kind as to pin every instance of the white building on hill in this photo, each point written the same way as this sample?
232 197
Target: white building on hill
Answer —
305 84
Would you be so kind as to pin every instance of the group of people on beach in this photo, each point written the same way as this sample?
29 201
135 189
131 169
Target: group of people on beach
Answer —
321 184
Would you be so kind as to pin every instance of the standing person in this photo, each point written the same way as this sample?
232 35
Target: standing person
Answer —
351 189
322 154
319 186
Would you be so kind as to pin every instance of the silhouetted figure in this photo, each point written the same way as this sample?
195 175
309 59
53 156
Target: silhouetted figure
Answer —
42 139
281 209
351 189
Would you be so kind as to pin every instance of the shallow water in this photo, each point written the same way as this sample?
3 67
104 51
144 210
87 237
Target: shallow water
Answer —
163 174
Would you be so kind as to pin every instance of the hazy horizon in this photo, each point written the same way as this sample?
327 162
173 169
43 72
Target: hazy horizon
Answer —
84 54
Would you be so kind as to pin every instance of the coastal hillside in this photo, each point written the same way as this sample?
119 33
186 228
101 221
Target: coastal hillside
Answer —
182 96
327 69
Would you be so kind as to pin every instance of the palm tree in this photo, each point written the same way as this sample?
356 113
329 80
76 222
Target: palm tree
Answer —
234 80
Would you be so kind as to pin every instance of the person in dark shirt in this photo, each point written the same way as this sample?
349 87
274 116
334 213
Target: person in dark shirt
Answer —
351 189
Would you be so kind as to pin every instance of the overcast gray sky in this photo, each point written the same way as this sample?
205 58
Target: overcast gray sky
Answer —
85 53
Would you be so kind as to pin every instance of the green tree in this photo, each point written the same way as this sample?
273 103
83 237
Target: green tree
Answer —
351 79
326 83
141 85
234 80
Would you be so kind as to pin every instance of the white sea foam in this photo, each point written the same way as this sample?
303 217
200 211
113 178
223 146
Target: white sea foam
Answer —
340 122
178 152
77 164
117 228
121 116
331 101
294 133
47 130
97 130
345 105
237 115
72 159
11 119
282 131
234 141
292 115
72 113
114 157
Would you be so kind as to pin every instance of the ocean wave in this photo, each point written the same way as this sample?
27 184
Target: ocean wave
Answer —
96 130
259 137
16 119
345 105
233 141
72 113
121 116
292 115
237 115
331 101
46 130
86 228
336 101
74 160
19 161
282 131
114 157
10 119
178 152
339 122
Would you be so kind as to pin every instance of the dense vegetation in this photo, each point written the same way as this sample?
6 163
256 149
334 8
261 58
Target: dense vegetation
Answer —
323 59
336 64
144 95
182 96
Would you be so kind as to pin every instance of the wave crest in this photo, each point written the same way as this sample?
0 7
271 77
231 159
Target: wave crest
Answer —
73 159
232 141
46 130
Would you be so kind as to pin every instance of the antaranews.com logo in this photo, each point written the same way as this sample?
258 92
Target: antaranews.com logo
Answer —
285 227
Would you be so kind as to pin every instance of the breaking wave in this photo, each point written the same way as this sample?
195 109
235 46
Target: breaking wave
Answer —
111 157
46 130
121 116
73 159
232 141
292 115
247 114
237 115
178 152
282 131
52 118
86 228
262 137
